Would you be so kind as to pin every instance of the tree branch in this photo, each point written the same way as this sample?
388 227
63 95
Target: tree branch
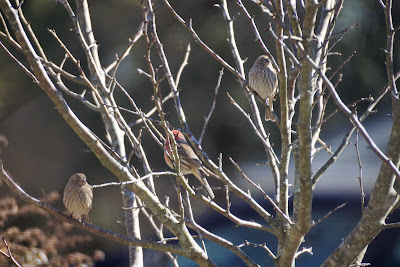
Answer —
9 254
85 226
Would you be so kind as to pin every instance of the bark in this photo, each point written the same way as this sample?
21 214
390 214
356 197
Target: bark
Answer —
191 249
383 199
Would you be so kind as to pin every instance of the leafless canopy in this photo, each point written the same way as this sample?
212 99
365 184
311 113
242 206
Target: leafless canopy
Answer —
303 34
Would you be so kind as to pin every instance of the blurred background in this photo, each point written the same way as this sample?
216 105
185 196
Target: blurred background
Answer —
43 152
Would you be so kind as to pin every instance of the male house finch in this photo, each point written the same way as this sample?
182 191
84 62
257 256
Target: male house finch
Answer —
78 196
189 162
263 79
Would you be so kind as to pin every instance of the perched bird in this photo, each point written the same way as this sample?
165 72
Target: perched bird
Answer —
78 196
190 163
263 79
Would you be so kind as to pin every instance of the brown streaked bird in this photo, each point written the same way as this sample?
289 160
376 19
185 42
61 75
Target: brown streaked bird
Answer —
264 80
78 197
190 163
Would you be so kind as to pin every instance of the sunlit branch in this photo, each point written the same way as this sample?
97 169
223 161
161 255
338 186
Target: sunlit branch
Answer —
354 119
207 119
85 226
257 33
263 246
8 254
136 181
244 176
264 141
359 177
347 137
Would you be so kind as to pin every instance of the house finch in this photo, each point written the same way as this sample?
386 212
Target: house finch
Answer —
189 162
263 79
78 196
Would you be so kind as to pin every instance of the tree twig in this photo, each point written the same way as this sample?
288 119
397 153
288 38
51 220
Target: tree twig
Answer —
264 141
261 190
224 243
22 66
183 65
257 33
329 213
304 250
263 246
9 254
353 118
85 226
347 137
147 176
207 119
359 177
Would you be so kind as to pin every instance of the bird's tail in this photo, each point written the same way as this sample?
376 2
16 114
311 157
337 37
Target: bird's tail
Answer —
208 188
199 175
269 114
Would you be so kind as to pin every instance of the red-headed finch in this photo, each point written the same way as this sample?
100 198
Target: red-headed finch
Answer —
190 163
263 79
78 196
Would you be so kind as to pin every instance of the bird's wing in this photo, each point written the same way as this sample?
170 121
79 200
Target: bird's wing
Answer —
186 153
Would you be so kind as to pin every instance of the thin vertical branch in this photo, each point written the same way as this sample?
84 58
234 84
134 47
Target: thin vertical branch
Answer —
183 65
390 32
257 33
192 221
257 119
359 177
326 25
286 123
207 119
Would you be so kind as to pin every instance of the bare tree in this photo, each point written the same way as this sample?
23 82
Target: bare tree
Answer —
304 37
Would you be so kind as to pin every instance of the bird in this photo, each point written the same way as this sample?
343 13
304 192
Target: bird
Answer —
78 197
264 80
189 162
